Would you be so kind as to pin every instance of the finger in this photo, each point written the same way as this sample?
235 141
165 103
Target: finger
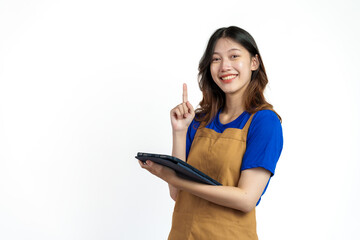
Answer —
177 113
185 94
190 107
142 164
186 109
153 167
181 109
149 165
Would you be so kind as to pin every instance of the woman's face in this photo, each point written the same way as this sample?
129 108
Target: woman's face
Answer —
231 66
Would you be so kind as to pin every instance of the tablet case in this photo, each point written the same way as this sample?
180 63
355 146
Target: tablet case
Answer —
182 168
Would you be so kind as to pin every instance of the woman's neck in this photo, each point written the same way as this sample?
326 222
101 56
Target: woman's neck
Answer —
234 106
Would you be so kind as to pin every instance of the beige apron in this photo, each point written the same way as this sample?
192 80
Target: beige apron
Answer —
219 155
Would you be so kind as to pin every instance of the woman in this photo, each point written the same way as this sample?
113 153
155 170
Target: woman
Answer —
235 137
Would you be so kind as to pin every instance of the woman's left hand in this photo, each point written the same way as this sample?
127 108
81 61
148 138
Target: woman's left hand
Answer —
165 173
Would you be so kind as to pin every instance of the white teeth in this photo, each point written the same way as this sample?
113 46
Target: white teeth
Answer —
228 77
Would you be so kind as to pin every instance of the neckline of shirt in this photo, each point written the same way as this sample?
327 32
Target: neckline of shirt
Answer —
224 126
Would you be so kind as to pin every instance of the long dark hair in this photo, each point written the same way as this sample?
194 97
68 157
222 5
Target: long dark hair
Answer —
213 96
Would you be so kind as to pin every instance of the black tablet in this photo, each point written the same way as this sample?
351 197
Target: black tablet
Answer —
182 168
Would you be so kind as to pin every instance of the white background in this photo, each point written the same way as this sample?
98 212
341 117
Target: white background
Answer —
85 85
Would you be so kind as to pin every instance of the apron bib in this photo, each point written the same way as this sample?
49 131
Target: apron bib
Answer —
218 155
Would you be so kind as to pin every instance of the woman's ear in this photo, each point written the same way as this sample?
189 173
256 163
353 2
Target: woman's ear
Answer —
255 63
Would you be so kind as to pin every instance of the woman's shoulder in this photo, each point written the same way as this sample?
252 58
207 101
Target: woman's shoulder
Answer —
266 116
265 120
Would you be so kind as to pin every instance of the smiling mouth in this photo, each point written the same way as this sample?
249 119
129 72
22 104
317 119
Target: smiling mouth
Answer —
228 78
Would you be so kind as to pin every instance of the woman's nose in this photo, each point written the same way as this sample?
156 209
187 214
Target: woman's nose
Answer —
225 65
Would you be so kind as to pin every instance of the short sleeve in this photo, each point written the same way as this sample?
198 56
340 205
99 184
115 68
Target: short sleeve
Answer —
264 142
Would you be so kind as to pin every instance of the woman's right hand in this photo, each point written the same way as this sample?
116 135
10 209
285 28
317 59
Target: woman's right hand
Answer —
182 114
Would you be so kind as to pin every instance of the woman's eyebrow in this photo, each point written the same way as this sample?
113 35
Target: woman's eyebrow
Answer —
233 49
237 49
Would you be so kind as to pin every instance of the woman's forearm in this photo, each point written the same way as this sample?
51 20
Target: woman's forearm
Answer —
179 145
179 151
232 197
242 197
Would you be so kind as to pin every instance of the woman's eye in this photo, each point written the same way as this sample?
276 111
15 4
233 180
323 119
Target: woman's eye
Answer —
216 59
235 56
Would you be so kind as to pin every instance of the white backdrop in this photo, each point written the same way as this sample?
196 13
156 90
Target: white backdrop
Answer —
85 85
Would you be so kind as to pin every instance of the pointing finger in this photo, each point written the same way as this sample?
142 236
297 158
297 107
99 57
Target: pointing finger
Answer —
185 95
186 109
190 107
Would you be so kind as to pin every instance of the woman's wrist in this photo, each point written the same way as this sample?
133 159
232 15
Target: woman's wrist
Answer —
179 137
179 146
179 132
174 181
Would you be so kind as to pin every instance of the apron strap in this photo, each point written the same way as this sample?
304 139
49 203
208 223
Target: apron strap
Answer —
247 125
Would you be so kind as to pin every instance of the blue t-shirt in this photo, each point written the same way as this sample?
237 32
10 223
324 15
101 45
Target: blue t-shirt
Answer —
264 141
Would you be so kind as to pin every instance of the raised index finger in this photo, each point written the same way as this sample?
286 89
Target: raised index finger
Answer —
185 95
